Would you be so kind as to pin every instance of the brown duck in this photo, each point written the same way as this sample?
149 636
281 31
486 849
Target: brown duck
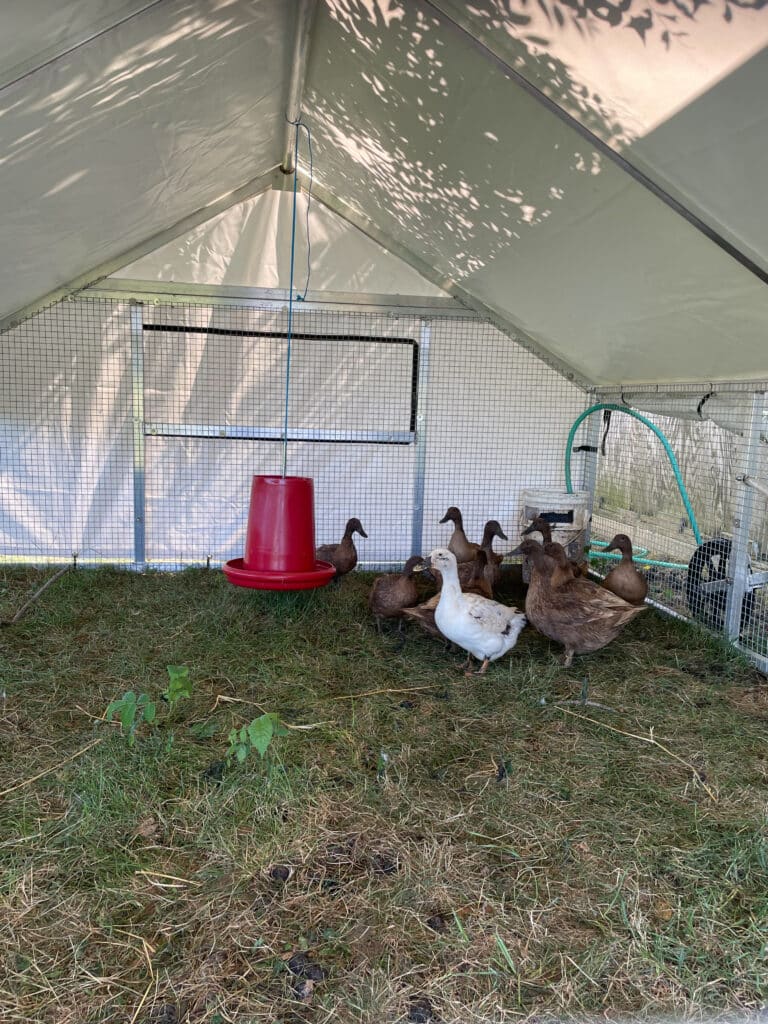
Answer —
343 556
624 579
468 548
570 610
542 526
477 576
463 549
393 593
492 529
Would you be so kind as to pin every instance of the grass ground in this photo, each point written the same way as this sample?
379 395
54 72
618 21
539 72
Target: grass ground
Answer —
441 849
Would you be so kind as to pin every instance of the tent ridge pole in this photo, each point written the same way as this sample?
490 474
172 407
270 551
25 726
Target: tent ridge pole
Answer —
305 17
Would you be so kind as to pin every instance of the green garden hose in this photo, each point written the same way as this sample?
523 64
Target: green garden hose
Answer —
667 448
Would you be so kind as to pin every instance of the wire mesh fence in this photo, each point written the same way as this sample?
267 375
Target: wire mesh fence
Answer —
131 433
66 437
709 561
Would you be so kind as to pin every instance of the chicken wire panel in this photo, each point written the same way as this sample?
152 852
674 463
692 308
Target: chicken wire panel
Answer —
637 493
497 423
214 403
198 494
755 638
131 432
66 447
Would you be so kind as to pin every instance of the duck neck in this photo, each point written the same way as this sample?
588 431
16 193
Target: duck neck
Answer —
451 588
542 569
458 531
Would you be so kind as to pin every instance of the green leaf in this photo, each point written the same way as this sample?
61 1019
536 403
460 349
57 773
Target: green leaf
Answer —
179 683
149 712
260 733
127 714
241 751
277 726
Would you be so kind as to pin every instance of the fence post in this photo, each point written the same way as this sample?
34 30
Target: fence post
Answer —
137 402
739 561
589 465
419 470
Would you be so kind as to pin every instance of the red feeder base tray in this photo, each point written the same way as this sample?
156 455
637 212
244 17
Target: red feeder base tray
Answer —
258 579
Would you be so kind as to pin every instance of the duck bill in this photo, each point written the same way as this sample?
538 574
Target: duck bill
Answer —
426 569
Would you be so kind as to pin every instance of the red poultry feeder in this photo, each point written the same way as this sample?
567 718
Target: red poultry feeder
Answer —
280 538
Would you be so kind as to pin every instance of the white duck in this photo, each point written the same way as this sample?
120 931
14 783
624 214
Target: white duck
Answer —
484 628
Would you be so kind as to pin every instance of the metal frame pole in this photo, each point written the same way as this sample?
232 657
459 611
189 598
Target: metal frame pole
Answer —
419 470
589 468
739 560
305 17
137 402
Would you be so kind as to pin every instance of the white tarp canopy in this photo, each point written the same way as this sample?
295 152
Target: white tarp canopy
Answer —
249 245
451 134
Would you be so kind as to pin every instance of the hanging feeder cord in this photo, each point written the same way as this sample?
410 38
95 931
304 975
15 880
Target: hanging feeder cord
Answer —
289 333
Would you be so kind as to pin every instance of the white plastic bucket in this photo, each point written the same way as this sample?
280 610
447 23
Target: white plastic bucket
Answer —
569 516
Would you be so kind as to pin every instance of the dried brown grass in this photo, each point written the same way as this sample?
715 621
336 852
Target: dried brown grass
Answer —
503 861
